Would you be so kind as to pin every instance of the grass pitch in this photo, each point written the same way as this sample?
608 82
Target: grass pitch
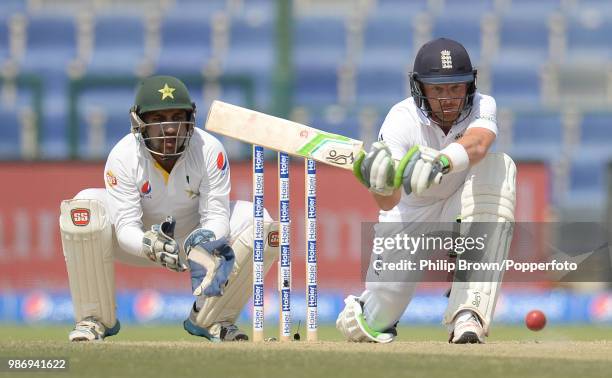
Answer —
418 352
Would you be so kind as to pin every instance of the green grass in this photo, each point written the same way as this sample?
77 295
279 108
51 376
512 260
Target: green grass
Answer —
419 351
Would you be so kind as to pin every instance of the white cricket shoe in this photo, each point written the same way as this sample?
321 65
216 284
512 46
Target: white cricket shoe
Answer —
90 329
467 329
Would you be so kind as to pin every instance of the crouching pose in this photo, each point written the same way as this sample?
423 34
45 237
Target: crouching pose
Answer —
431 165
166 203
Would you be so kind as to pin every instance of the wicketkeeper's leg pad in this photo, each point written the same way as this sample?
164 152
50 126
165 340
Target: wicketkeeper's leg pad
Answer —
487 208
239 289
87 243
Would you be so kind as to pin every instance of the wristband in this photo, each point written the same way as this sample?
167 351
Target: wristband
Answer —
458 157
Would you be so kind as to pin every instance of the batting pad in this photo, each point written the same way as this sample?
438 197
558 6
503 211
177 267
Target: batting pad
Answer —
227 307
487 208
87 244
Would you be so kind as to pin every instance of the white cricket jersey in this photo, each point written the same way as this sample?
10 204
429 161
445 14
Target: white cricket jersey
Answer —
195 192
406 126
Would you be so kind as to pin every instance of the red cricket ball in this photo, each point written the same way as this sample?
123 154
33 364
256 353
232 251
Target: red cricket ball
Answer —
535 320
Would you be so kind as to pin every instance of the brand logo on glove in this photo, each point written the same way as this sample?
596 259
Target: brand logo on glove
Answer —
273 239
80 217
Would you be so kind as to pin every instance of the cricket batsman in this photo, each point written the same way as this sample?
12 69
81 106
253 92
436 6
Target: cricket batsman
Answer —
431 164
166 204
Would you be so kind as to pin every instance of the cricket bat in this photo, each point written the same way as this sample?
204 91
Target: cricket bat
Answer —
282 135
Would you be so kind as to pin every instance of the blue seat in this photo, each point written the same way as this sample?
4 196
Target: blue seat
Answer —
319 41
10 134
601 6
51 43
587 181
537 135
316 87
589 40
197 8
596 135
347 126
461 8
4 38
523 40
515 85
465 30
399 8
540 8
119 43
114 103
12 6
387 42
185 44
54 141
380 88
252 53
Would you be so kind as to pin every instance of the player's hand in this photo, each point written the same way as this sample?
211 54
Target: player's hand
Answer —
211 262
421 168
159 246
376 169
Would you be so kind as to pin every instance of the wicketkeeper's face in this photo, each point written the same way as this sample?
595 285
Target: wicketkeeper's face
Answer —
166 130
446 101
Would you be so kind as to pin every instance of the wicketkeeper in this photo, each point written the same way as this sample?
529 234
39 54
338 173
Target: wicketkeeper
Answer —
431 164
166 203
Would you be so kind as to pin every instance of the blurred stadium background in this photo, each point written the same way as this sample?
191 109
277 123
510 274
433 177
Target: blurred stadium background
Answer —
68 69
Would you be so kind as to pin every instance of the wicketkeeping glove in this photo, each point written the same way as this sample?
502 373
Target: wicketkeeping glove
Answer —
159 246
421 168
210 261
376 169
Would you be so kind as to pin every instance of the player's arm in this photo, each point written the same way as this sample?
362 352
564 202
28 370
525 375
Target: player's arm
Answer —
376 169
215 190
388 202
480 134
124 196
476 141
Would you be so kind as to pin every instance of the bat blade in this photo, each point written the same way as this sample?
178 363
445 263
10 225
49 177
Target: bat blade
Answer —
282 135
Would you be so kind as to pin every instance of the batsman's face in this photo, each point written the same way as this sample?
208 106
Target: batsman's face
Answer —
166 130
445 100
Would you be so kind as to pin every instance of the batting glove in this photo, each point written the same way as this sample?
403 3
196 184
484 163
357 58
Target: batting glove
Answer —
421 168
376 169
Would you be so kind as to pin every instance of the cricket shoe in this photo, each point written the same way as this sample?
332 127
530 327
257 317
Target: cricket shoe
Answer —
227 331
222 331
90 329
467 329
352 324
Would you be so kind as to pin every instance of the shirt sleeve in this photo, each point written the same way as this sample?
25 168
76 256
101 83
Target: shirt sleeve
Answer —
486 114
394 132
214 191
124 197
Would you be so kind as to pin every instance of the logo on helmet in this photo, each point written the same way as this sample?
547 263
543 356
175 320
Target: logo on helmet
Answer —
166 91
447 60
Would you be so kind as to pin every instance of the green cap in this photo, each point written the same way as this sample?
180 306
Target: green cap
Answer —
161 93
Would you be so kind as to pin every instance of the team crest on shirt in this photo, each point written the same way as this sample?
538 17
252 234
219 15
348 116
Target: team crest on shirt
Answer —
145 190
222 163
192 194
111 179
